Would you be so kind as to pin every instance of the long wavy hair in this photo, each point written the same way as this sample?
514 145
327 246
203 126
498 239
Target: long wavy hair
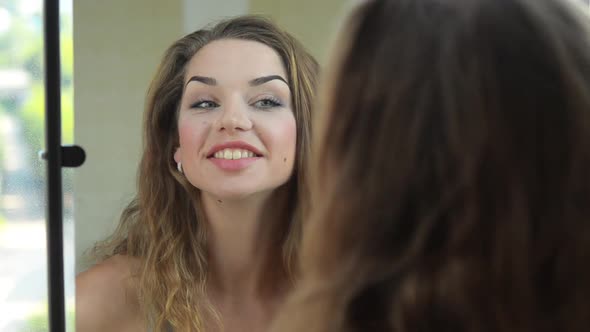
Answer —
164 227
451 176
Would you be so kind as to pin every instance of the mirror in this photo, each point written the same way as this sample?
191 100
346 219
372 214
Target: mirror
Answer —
117 46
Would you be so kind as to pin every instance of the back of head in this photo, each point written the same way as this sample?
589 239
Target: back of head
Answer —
452 190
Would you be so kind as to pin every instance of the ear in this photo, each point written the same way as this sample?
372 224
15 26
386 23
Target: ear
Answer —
177 155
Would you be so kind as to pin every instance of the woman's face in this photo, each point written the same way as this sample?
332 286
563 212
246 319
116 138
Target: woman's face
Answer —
236 125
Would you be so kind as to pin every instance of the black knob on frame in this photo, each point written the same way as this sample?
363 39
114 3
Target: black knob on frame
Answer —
71 156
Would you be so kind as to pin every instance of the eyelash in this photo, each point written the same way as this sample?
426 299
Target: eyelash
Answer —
199 103
274 102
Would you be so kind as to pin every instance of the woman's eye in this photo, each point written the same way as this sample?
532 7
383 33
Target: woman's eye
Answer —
267 103
205 104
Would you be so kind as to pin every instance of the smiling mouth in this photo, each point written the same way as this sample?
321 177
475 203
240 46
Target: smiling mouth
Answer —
234 154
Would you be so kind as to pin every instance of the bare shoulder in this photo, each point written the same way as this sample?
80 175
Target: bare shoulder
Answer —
106 299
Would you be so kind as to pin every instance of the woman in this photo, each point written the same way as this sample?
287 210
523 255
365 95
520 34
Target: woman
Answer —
209 242
452 172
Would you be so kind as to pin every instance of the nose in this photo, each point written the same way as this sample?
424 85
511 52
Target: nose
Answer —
234 117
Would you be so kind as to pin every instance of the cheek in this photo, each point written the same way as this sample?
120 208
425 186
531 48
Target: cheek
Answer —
191 134
285 140
185 133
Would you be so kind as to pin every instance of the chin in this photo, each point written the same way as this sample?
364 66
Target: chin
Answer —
236 193
233 195
239 190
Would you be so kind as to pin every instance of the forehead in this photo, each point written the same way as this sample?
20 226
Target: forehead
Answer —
234 59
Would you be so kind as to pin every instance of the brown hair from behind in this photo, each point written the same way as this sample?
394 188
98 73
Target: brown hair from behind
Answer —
451 175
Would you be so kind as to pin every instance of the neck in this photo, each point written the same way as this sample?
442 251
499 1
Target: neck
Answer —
233 240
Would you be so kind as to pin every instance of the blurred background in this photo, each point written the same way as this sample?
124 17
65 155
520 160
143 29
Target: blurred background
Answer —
110 50
23 267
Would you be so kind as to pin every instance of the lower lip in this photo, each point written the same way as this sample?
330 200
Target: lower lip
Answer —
233 164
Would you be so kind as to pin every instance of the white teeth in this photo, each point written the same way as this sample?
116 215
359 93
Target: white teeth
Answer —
237 154
233 154
227 154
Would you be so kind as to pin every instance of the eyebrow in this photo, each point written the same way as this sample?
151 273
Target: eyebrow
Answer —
202 79
264 79
255 82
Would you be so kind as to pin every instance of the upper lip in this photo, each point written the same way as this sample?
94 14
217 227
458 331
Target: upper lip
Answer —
233 145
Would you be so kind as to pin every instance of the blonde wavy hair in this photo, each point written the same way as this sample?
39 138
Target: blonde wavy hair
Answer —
164 226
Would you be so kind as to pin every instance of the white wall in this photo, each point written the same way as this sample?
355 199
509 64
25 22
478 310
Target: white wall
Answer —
117 47
198 13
